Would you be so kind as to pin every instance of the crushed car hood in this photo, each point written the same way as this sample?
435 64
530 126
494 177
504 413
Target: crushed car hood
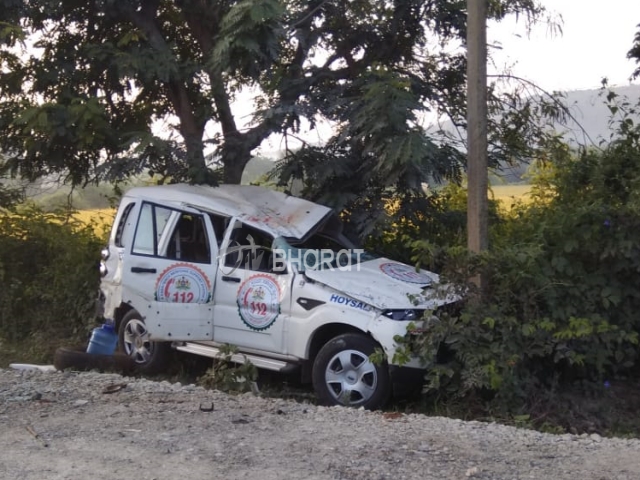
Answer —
386 284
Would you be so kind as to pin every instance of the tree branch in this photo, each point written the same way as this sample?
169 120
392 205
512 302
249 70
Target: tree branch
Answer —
190 128
547 94
200 22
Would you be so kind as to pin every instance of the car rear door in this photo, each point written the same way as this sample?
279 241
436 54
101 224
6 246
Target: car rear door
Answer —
169 272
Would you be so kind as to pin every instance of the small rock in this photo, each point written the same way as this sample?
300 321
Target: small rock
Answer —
80 403
595 437
472 471
240 421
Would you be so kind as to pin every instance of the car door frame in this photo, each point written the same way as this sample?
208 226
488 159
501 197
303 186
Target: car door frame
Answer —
169 320
234 322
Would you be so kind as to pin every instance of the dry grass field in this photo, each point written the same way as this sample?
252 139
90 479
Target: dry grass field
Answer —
509 194
103 217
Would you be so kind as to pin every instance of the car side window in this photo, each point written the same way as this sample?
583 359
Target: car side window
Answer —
125 225
187 242
219 223
249 249
151 223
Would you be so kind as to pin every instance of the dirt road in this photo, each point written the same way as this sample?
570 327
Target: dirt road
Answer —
89 425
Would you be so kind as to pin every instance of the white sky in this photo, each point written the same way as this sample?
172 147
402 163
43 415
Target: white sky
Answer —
596 36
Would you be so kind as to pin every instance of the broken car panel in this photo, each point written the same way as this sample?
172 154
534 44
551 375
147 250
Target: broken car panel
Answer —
198 267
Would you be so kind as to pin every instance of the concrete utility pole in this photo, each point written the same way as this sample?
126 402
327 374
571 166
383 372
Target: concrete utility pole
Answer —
477 206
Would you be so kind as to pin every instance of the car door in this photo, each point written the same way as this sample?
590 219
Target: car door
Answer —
169 272
252 301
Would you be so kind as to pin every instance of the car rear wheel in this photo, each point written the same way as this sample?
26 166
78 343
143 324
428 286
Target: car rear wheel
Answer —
133 339
344 375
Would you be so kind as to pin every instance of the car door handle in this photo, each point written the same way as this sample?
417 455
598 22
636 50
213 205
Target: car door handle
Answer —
142 270
230 279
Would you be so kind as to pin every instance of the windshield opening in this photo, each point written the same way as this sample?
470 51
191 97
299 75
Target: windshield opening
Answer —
320 252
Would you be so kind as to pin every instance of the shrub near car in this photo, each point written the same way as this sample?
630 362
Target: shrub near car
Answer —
194 268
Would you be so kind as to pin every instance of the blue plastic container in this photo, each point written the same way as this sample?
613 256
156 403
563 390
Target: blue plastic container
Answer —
103 340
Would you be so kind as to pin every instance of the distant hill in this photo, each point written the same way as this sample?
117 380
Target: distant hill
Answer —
590 111
590 126
591 123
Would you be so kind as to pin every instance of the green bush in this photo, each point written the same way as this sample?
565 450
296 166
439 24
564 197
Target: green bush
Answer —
440 217
562 292
49 279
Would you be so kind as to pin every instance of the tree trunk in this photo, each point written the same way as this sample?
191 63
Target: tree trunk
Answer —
235 157
192 131
198 173
232 173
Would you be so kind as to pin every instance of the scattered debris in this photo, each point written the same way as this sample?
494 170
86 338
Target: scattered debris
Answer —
392 415
114 387
240 421
472 472
36 435
31 368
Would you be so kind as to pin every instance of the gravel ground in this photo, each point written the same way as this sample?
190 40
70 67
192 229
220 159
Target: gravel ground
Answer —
64 426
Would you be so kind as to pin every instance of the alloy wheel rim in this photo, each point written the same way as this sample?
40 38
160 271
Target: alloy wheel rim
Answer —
136 341
351 377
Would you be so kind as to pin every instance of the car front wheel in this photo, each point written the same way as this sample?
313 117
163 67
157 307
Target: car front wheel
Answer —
133 339
343 374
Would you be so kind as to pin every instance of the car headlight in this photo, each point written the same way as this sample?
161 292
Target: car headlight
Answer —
403 315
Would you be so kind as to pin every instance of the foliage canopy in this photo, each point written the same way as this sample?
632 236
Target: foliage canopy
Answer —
83 83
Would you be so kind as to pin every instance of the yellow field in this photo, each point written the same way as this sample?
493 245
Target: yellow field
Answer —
102 218
509 194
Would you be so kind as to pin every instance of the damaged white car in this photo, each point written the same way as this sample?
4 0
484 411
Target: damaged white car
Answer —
194 268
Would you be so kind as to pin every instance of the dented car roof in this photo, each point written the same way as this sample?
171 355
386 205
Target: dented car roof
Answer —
269 210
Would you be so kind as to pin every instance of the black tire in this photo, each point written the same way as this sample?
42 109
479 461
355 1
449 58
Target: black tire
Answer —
344 375
76 358
149 357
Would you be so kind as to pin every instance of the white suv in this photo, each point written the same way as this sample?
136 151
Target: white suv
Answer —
194 267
